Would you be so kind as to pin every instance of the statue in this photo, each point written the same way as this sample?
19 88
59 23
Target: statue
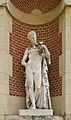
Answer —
35 59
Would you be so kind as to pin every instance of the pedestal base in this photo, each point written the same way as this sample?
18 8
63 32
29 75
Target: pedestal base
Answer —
35 112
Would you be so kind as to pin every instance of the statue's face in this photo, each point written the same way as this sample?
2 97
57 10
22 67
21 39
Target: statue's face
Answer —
32 39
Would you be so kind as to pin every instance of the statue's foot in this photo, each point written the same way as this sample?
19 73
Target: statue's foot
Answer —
32 107
45 106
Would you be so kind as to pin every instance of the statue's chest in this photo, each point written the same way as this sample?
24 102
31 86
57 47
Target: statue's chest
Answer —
33 52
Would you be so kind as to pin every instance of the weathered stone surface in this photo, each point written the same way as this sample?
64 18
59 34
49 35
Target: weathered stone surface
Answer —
33 118
36 112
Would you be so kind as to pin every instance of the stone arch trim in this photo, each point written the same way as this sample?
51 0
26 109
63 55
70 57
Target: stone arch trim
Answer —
33 19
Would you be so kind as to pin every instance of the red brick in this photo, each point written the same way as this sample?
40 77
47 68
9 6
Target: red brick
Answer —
49 33
28 5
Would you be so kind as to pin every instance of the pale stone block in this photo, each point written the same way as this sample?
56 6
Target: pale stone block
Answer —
3 103
62 21
62 29
68 2
62 62
4 79
63 84
68 117
4 89
11 104
6 19
68 37
3 18
1 10
58 105
64 41
68 104
2 117
68 83
5 62
35 112
8 62
2 61
68 15
4 38
15 103
68 61
2 1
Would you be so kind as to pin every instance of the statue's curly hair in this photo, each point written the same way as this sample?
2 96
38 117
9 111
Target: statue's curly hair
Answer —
31 33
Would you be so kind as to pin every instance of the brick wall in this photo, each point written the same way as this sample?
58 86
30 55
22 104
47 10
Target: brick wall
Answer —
49 33
28 5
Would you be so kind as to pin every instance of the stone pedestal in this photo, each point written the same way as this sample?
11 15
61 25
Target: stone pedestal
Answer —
35 112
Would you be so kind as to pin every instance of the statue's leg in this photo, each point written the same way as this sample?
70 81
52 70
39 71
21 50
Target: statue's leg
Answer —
37 80
29 76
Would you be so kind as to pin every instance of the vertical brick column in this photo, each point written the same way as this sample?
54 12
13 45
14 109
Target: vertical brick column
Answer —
5 59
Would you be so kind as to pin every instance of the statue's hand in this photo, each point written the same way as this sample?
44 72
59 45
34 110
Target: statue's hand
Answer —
43 55
49 62
40 51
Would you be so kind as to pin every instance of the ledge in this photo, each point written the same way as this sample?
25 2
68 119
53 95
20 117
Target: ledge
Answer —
35 112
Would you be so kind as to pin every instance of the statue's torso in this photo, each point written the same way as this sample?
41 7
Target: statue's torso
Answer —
34 58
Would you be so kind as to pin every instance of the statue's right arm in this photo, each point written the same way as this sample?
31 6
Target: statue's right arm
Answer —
23 62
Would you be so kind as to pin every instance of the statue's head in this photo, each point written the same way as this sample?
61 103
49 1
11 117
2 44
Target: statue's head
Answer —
32 37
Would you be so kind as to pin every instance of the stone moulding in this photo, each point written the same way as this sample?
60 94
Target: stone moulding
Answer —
35 19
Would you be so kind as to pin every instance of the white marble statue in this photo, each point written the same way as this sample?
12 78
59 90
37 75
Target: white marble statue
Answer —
35 59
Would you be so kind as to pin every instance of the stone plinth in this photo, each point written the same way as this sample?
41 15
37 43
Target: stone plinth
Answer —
35 112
